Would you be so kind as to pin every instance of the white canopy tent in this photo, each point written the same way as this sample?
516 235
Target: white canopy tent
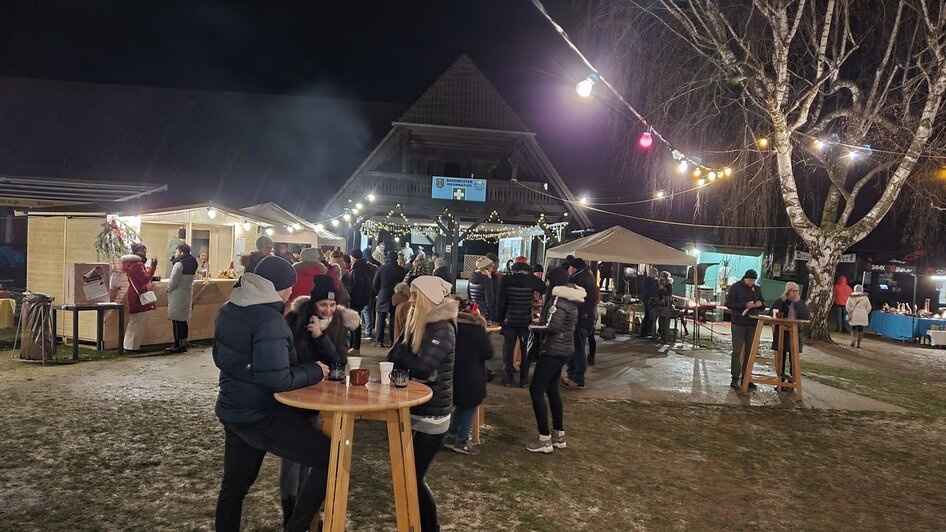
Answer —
618 244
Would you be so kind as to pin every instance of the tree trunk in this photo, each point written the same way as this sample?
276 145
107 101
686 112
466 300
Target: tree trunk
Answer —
822 265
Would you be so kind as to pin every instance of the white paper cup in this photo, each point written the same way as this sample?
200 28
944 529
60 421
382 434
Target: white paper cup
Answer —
386 369
354 363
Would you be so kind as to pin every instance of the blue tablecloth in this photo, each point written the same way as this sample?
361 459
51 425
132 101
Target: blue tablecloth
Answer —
899 327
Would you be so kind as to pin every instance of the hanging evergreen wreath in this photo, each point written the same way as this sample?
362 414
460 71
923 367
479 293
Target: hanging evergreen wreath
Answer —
115 240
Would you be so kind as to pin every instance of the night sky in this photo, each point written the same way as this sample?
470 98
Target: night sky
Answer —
386 52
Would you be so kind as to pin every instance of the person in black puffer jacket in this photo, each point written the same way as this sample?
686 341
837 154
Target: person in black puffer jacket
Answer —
474 348
481 290
359 283
557 331
427 352
587 315
514 312
334 323
253 347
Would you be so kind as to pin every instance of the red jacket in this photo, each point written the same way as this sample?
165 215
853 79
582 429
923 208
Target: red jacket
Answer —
139 282
305 271
842 291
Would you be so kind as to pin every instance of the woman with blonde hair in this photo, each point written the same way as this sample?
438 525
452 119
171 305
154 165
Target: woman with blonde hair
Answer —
426 350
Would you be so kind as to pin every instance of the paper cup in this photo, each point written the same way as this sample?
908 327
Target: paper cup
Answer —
386 368
354 362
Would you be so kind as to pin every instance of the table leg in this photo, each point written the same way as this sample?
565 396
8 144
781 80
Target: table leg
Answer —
753 351
339 469
54 337
796 366
779 350
478 422
121 330
75 335
408 504
99 326
398 477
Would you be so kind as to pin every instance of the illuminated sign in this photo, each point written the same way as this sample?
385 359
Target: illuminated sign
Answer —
458 188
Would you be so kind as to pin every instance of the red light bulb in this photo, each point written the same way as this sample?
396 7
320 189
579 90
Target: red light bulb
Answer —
646 141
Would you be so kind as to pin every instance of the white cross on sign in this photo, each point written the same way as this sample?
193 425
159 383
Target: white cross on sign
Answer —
459 194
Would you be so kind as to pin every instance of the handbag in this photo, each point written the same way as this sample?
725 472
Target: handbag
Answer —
145 298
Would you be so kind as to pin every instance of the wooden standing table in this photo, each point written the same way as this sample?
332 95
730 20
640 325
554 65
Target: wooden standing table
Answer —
339 405
779 325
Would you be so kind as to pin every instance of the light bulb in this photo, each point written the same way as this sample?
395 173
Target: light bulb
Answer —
660 194
583 200
584 87
727 171
819 145
852 154
359 205
397 239
335 222
355 210
712 176
701 182
246 226
289 229
319 227
682 167
763 142
646 141
211 213
346 217
697 172
297 227
270 231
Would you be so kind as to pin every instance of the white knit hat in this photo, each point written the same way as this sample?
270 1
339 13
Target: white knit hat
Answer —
434 288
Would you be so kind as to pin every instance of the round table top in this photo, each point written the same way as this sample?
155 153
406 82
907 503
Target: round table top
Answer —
337 396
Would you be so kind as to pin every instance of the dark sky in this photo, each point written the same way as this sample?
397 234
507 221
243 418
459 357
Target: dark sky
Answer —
353 50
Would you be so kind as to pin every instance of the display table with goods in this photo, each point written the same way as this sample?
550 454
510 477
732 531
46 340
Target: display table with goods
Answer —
339 404
903 327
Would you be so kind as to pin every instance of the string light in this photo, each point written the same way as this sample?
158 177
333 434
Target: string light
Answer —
359 205
334 222
346 217
319 227
660 194
646 141
289 229
270 231
727 171
370 197
683 167
583 200
211 213
246 225
585 86
762 142
711 176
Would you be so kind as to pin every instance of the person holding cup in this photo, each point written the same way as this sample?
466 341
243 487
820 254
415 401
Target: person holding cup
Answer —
426 350
320 332
789 305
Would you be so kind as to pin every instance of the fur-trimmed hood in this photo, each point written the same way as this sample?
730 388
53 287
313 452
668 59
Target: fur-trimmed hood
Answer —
471 319
350 319
570 292
132 258
446 311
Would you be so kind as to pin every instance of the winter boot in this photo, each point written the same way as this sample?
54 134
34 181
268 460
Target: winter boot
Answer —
558 439
288 505
860 335
853 337
184 345
542 445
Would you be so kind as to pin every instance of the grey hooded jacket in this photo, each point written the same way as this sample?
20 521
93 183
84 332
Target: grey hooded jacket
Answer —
559 318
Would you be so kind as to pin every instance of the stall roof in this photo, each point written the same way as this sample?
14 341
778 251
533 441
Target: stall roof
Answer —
135 208
618 244
29 190
273 211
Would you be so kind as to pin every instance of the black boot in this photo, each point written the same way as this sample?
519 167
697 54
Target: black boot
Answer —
288 505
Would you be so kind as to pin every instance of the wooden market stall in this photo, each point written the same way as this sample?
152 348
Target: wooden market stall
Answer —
61 247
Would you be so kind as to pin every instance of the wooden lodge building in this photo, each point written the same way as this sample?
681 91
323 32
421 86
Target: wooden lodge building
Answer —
428 174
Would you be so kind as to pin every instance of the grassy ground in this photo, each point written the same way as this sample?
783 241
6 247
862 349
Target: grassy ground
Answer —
76 458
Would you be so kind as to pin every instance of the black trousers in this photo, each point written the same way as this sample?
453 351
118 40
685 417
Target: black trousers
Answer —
286 434
592 345
356 338
180 331
511 335
425 448
548 370
379 325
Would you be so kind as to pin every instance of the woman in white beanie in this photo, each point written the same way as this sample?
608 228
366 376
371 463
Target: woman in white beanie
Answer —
426 350
858 308
481 289
790 305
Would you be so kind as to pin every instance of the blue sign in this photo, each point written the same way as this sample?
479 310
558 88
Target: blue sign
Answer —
458 188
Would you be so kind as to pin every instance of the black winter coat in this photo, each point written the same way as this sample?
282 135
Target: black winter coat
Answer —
384 281
474 348
514 307
483 294
360 284
559 319
253 347
588 310
329 348
801 313
433 366
739 294
444 273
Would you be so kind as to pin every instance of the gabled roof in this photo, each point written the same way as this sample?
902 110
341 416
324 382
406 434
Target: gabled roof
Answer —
463 97
49 190
618 244
273 211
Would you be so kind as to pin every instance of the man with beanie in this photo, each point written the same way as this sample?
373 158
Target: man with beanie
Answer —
514 312
384 281
481 288
587 315
253 347
442 270
172 249
743 300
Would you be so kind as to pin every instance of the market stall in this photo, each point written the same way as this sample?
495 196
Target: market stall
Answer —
74 254
903 327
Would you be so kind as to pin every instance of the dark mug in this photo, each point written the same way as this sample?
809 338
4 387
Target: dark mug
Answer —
336 372
400 378
359 377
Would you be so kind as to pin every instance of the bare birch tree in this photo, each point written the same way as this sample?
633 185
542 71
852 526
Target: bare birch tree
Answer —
847 93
